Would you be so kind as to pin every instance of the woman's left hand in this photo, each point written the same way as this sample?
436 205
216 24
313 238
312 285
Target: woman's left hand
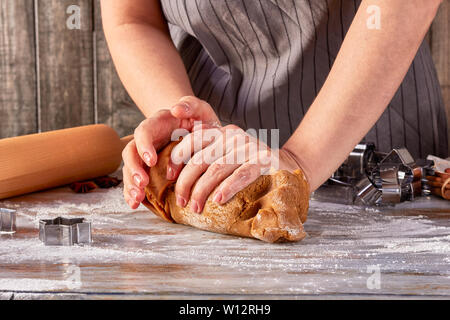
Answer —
226 157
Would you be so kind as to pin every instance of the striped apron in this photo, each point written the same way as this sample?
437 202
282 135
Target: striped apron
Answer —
261 63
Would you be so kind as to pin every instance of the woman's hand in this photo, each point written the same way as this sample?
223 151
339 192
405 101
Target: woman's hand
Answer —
226 157
154 133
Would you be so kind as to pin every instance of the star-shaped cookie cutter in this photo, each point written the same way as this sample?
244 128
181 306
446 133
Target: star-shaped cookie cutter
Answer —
7 220
65 231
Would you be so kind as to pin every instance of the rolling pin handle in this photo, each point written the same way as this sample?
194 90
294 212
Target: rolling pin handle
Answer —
126 140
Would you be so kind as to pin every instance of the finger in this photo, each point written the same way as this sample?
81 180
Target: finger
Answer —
187 178
191 107
144 146
214 175
238 180
134 193
152 134
191 144
202 136
133 162
128 200
133 198
234 147
196 166
132 203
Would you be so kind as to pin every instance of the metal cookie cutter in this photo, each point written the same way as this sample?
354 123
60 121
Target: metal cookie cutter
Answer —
367 193
65 232
357 164
399 177
369 177
7 220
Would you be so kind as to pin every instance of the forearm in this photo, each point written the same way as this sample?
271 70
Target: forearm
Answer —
365 76
146 60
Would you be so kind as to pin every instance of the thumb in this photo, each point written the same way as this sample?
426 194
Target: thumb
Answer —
195 109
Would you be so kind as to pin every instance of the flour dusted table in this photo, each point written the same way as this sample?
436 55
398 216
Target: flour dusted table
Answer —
350 252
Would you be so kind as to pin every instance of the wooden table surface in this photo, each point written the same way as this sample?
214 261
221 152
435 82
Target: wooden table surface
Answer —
136 255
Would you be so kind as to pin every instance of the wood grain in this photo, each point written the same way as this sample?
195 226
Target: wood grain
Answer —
59 157
440 48
77 80
17 68
114 105
66 65
136 254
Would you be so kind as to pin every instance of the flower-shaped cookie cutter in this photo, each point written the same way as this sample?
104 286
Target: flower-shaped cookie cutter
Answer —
65 231
7 220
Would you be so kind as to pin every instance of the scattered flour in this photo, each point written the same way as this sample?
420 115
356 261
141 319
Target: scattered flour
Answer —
25 284
342 241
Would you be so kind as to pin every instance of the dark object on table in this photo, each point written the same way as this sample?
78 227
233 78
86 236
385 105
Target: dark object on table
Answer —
65 231
7 220
107 182
88 186
83 187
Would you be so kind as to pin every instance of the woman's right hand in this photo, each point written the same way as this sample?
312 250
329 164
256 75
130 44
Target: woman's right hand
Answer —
154 133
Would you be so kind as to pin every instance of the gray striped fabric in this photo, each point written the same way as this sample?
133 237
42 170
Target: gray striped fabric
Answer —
261 63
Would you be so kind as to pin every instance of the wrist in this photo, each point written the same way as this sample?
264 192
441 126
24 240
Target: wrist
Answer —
295 162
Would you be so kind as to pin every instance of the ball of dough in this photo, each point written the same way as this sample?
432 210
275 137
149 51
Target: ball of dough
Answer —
273 208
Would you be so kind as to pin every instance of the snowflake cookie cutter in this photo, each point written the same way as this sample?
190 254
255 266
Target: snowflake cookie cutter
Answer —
7 220
65 231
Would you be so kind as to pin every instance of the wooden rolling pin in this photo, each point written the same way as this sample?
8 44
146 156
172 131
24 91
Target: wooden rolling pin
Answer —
56 158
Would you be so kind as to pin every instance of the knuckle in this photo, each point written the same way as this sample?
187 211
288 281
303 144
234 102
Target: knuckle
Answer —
140 128
214 170
191 169
197 159
198 195
127 187
244 174
191 100
232 127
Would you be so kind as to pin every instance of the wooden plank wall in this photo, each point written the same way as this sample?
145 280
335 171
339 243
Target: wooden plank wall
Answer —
114 105
66 73
17 69
440 49
52 77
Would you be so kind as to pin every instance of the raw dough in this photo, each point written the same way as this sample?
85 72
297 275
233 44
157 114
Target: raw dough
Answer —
271 209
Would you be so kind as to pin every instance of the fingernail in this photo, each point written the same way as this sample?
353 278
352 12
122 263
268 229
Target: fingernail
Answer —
218 197
181 202
147 159
195 207
134 194
170 173
137 179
